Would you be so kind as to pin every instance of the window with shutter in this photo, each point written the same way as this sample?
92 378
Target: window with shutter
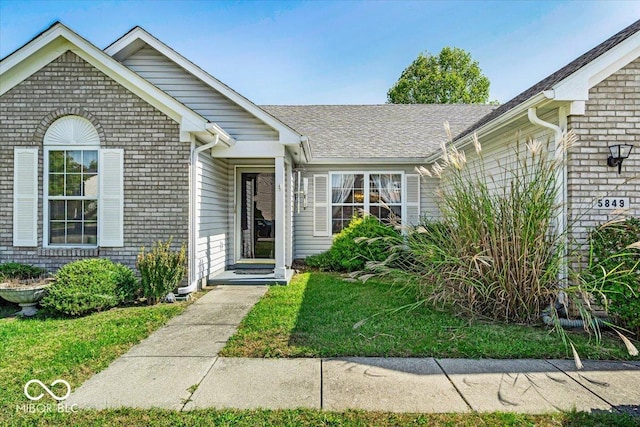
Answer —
83 198
381 194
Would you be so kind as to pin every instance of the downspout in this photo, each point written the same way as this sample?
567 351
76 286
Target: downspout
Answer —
193 238
561 198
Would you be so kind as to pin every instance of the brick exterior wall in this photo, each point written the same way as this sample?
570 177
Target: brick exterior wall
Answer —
612 117
156 172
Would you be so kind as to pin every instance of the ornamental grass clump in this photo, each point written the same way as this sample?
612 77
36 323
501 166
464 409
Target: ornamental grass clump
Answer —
494 252
161 270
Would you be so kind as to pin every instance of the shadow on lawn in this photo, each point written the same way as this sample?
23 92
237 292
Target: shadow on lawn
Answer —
331 307
310 310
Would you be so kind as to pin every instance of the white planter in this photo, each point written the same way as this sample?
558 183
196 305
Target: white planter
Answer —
26 296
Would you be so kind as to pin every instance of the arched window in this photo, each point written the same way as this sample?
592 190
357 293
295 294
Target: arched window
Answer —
71 183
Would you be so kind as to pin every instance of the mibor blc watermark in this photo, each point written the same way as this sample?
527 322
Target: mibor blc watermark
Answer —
35 408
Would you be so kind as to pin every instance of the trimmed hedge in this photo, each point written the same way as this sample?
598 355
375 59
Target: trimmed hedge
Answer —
89 285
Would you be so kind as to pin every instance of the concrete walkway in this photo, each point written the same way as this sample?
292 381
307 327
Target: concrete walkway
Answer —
178 367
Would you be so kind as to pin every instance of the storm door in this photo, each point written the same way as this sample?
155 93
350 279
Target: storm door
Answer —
257 215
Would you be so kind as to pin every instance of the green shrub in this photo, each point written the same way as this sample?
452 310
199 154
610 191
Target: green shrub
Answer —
364 239
16 270
615 268
89 285
161 270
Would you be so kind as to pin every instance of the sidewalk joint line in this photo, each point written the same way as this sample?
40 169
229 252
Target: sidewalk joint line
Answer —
321 384
585 387
186 402
454 386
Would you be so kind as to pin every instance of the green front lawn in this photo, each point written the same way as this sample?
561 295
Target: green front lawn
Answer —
308 417
74 349
315 317
71 349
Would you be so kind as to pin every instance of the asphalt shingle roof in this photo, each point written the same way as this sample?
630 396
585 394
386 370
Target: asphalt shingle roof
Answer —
548 82
377 131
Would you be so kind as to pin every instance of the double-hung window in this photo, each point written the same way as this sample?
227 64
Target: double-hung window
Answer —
377 194
347 198
83 189
72 196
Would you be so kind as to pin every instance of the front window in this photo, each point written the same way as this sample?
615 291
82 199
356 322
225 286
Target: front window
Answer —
72 197
378 194
347 199
385 196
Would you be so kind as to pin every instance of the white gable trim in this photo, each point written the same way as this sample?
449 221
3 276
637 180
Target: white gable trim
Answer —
58 39
131 42
572 90
576 86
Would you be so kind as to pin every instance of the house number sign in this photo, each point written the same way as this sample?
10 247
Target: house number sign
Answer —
613 203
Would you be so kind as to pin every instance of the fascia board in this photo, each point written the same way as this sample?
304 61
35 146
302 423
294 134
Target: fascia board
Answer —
576 86
59 39
15 72
366 161
499 122
250 150
287 135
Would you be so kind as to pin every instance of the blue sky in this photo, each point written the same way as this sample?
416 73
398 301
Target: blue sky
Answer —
338 52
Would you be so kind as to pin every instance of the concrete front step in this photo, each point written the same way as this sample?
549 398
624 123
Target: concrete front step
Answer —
229 277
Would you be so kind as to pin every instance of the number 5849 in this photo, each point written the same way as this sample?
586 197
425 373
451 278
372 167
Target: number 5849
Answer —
613 202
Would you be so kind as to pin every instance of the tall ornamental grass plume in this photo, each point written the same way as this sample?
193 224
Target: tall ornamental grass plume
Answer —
494 252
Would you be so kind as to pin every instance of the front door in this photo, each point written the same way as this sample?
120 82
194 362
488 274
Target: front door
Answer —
257 215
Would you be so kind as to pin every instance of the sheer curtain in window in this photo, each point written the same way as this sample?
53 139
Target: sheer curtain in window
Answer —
341 186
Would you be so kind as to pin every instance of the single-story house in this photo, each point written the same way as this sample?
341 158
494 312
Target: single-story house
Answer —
104 151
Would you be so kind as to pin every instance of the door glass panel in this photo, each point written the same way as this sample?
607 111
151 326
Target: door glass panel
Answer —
257 210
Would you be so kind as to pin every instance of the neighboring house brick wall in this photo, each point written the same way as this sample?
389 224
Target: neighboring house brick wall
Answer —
612 117
155 162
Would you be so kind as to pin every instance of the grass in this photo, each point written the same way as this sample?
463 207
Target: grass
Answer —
75 349
307 417
315 316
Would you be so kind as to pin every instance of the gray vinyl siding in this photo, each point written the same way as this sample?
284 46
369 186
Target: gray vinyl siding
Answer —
212 210
198 96
306 243
498 152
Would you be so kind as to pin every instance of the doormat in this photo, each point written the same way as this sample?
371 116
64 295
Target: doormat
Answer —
253 271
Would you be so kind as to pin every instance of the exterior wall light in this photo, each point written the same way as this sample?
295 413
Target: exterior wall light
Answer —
618 153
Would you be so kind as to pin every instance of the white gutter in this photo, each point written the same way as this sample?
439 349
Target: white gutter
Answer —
193 238
561 178
495 124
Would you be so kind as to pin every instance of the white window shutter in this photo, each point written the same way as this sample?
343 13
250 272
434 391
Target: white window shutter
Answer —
411 215
25 197
321 205
111 198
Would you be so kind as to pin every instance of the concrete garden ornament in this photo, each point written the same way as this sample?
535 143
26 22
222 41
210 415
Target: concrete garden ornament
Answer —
26 293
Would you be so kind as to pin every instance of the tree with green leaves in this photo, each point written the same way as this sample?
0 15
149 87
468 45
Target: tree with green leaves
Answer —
451 77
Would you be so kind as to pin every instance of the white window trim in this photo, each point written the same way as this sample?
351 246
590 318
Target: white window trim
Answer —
45 196
366 204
